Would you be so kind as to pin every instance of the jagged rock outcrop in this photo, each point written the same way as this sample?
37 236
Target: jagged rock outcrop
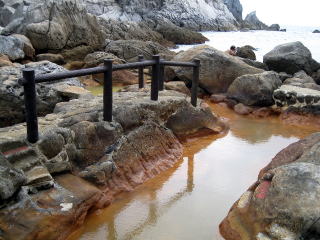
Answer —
255 89
76 147
279 205
84 25
235 8
195 15
252 22
291 58
218 69
11 93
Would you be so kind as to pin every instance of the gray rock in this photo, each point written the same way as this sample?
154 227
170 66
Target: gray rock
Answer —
176 34
11 93
6 14
235 8
195 15
12 47
129 50
316 31
218 69
274 27
57 25
246 52
122 30
255 89
190 120
253 22
290 58
11 179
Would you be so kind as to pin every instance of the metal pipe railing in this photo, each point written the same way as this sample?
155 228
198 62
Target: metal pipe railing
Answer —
29 81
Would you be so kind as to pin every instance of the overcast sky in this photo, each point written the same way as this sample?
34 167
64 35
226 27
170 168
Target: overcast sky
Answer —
285 12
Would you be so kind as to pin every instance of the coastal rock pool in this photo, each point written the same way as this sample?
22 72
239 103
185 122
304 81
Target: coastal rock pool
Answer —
189 201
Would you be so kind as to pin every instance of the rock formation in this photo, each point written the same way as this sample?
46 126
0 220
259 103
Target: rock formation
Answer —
252 22
291 58
82 162
235 8
255 89
11 93
283 202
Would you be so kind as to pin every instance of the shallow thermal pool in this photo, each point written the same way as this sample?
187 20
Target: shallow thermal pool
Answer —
188 201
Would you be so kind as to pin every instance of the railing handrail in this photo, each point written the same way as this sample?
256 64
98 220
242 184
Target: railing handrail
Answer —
29 80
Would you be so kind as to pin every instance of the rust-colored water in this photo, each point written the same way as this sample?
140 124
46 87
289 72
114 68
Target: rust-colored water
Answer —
188 201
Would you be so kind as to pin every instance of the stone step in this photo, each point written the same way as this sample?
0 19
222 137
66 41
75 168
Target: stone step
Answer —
26 159
22 158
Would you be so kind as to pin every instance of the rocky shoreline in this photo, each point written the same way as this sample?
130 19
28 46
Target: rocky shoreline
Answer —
81 163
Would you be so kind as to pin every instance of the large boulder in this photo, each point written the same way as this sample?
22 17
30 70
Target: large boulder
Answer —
218 69
290 58
283 203
55 25
129 50
255 89
11 93
246 52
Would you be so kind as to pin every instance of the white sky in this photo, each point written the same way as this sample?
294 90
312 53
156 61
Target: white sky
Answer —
285 12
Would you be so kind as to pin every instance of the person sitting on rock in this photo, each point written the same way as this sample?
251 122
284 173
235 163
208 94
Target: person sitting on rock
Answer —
232 51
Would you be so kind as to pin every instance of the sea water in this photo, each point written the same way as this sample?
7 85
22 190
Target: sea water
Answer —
263 41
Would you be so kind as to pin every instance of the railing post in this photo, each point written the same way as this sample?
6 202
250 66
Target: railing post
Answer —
107 91
141 78
30 99
155 78
161 80
195 82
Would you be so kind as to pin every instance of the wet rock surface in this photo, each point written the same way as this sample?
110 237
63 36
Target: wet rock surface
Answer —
282 204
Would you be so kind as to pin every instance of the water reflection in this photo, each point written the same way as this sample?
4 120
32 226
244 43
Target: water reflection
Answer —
189 201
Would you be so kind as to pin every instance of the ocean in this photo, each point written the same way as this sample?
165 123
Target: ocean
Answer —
263 41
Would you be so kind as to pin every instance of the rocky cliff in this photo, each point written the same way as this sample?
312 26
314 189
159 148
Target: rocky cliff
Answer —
196 15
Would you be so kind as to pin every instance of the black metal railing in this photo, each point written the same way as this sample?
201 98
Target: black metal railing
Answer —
29 81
